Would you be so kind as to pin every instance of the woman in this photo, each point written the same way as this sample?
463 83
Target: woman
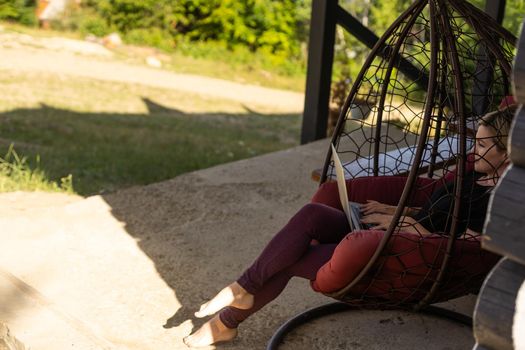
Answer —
291 252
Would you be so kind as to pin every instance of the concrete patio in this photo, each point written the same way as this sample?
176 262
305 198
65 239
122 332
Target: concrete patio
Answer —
127 270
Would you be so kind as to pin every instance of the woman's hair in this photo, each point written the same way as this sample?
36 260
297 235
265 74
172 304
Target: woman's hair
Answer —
500 122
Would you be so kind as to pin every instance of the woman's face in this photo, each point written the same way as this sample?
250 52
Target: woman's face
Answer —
488 157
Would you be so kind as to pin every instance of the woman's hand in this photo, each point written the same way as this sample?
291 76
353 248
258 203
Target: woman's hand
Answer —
409 224
381 221
406 223
371 207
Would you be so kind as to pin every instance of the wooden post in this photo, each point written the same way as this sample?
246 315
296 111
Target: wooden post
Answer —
319 73
485 67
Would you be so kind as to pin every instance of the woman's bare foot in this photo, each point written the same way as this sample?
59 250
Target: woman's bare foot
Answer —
233 295
212 332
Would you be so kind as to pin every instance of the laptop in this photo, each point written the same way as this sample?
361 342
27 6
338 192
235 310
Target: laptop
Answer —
352 209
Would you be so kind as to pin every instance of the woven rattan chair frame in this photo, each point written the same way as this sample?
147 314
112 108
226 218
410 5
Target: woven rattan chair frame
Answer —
446 59
444 64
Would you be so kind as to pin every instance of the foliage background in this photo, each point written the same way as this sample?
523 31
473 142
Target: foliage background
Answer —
22 11
267 34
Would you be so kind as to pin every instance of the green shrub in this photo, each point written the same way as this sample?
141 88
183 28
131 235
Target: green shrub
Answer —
93 24
126 15
239 55
82 19
256 24
155 37
275 29
22 11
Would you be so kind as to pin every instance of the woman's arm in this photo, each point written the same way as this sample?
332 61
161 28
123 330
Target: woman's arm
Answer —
371 207
406 223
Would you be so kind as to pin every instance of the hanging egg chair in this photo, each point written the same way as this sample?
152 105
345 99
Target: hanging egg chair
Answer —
404 132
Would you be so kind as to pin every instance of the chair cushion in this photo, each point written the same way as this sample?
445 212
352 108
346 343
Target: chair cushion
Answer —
409 269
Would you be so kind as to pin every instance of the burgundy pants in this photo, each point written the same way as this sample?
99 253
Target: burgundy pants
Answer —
289 254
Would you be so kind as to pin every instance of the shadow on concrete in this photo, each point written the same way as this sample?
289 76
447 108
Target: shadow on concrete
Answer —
203 228
198 234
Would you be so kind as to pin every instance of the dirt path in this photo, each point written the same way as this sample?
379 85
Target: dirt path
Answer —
20 52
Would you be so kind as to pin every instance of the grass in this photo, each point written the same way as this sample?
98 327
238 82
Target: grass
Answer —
241 73
109 136
33 31
17 175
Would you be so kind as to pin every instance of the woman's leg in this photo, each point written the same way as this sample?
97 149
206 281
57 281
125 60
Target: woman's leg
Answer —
306 267
313 221
223 327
